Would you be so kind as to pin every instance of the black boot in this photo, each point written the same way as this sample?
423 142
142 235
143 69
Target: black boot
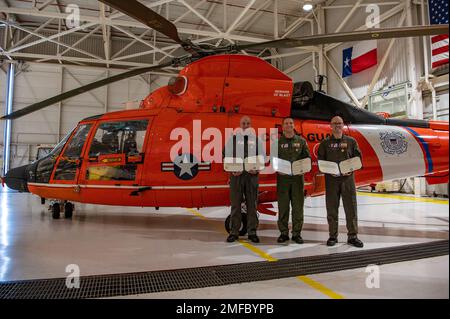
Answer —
282 239
253 238
331 241
354 241
297 239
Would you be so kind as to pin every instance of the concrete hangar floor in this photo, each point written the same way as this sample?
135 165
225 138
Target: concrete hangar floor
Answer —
124 252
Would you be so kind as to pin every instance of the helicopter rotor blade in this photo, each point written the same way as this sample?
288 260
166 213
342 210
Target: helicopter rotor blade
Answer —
69 94
374 34
150 18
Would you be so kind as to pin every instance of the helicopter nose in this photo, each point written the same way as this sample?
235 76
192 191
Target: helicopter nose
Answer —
16 179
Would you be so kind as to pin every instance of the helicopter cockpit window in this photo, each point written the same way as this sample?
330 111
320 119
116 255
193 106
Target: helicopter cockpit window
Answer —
124 139
58 148
46 164
119 137
70 159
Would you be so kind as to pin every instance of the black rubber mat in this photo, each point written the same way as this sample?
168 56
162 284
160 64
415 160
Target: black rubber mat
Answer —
101 286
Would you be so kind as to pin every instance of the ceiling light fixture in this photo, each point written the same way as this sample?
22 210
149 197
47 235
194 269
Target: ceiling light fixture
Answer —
307 6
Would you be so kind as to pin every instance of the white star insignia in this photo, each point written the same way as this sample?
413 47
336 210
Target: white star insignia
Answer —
186 166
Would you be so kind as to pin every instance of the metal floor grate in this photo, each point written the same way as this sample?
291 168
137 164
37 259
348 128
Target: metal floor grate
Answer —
102 286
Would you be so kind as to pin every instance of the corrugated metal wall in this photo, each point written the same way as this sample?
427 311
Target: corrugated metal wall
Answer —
41 81
394 72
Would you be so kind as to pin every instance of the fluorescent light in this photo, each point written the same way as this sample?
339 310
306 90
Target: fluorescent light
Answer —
307 6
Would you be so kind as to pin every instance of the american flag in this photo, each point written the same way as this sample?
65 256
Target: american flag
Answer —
439 44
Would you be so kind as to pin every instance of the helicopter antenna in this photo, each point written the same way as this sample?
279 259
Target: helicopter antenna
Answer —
320 80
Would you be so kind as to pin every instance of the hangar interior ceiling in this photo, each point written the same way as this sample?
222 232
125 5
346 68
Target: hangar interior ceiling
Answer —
52 54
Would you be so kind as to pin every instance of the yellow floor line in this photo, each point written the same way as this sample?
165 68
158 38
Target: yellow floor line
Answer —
310 282
318 286
402 197
257 251
196 213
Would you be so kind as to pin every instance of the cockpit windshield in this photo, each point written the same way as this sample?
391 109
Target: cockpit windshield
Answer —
58 148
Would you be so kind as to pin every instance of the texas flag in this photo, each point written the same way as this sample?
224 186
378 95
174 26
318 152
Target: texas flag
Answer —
359 57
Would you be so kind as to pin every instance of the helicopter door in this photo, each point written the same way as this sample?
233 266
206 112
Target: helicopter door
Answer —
116 153
68 167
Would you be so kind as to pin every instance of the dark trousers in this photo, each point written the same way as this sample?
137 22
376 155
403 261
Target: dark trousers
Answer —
290 192
337 187
245 185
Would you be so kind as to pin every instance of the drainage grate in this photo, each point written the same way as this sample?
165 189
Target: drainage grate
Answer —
102 286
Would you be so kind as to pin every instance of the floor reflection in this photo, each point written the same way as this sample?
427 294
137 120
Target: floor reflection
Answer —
4 237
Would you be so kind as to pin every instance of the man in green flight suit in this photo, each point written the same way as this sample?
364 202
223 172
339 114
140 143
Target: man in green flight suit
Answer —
336 148
290 189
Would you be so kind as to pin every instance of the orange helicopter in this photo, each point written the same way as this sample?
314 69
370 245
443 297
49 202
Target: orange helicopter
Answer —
124 158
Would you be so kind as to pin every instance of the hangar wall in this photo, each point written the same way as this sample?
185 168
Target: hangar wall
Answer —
48 126
394 72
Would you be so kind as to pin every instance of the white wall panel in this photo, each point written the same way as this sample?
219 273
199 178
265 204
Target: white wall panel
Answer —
442 104
395 70
42 81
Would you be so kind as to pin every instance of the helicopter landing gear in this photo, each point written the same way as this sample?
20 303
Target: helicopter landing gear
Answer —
68 210
243 229
55 208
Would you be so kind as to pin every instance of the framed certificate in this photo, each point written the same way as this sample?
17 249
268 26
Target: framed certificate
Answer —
254 163
281 166
345 167
299 167
233 164
302 166
328 167
350 165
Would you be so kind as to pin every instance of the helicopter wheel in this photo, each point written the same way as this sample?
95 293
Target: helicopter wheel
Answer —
68 210
243 229
56 210
42 201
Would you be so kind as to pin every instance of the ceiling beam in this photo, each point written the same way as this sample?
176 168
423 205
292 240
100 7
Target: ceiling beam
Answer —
86 36
94 20
201 16
238 20
49 39
49 57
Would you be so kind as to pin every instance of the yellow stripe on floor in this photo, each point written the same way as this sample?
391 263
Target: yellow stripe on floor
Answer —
310 282
410 198
196 213
318 286
257 251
